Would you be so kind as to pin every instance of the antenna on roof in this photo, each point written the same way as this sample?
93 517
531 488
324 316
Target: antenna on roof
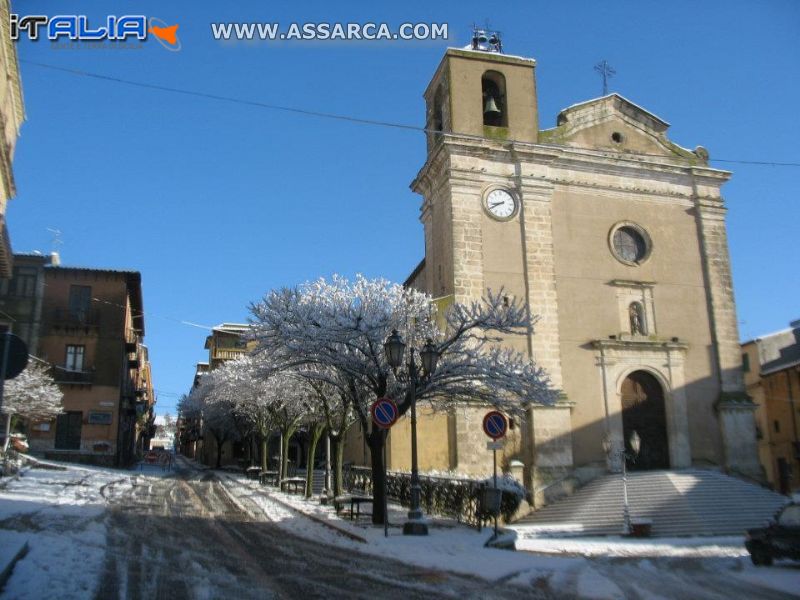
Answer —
606 72
56 241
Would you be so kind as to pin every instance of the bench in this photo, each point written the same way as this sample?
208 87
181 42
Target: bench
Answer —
252 472
355 504
265 477
295 483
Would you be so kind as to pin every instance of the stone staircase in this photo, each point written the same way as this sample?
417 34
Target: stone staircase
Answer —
678 503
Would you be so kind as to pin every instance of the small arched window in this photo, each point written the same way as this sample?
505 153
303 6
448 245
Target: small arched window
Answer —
636 316
493 87
437 118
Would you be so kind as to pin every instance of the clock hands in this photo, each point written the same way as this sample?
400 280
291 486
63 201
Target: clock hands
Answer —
496 204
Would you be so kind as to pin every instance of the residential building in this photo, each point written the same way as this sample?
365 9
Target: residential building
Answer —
226 342
21 297
190 428
615 238
772 376
92 326
12 114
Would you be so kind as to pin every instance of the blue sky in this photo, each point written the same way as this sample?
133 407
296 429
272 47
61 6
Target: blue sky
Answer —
216 203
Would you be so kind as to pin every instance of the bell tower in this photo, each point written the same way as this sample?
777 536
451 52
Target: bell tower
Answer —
481 92
488 225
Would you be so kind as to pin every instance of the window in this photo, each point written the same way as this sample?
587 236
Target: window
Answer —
74 361
777 426
80 298
493 86
24 282
746 362
438 111
68 431
630 243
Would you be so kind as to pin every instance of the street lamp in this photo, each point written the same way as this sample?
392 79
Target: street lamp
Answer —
636 444
394 347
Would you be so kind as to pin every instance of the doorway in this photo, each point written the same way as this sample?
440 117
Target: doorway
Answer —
643 411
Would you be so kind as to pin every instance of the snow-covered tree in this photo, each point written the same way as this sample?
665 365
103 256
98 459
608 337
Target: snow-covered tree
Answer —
215 403
341 325
32 395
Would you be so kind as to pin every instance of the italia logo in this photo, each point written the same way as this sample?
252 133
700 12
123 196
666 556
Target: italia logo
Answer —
78 28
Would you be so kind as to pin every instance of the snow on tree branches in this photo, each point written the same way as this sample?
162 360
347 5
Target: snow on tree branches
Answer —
32 394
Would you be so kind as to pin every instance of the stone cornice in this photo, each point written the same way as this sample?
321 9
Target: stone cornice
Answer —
639 344
564 165
631 283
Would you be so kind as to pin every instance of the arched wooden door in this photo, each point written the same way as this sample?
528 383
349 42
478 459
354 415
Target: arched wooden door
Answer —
643 411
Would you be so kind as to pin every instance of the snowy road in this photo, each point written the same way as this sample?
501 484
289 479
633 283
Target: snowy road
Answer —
108 534
184 537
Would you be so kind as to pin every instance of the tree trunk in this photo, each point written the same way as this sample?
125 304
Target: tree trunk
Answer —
219 451
337 443
376 440
316 433
287 435
264 450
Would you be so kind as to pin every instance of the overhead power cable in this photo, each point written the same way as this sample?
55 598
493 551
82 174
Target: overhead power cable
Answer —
333 116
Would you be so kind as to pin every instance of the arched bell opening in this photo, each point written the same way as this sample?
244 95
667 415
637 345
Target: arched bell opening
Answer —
495 112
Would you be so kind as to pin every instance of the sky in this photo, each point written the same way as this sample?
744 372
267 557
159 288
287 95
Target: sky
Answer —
216 202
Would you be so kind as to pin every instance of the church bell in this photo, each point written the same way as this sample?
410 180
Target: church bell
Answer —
490 108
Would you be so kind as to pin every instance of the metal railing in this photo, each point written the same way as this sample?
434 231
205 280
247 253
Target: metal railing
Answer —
450 497
75 318
63 375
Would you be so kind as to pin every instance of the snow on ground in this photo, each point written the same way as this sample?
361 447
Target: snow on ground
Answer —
584 564
730 546
61 514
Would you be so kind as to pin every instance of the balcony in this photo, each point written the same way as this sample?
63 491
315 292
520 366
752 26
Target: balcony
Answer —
63 375
228 353
64 317
131 340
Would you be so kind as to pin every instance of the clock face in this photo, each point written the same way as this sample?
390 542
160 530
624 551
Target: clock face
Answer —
500 204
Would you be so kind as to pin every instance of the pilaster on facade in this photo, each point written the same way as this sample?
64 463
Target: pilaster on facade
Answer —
540 274
710 214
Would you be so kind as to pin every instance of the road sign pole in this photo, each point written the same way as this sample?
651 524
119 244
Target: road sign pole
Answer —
494 452
385 486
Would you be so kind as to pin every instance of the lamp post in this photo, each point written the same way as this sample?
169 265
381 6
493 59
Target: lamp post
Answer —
636 444
394 348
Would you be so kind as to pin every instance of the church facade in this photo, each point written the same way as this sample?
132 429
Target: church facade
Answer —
615 238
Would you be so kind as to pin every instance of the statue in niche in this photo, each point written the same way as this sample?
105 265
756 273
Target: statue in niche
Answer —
636 316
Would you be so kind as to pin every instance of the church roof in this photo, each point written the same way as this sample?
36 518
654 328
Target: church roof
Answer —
620 103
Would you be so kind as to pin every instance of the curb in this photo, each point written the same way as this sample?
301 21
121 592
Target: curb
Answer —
5 574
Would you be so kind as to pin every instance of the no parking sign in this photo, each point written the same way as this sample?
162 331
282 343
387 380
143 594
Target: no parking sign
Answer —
384 412
495 424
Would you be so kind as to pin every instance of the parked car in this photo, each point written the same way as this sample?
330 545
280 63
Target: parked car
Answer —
17 441
779 539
